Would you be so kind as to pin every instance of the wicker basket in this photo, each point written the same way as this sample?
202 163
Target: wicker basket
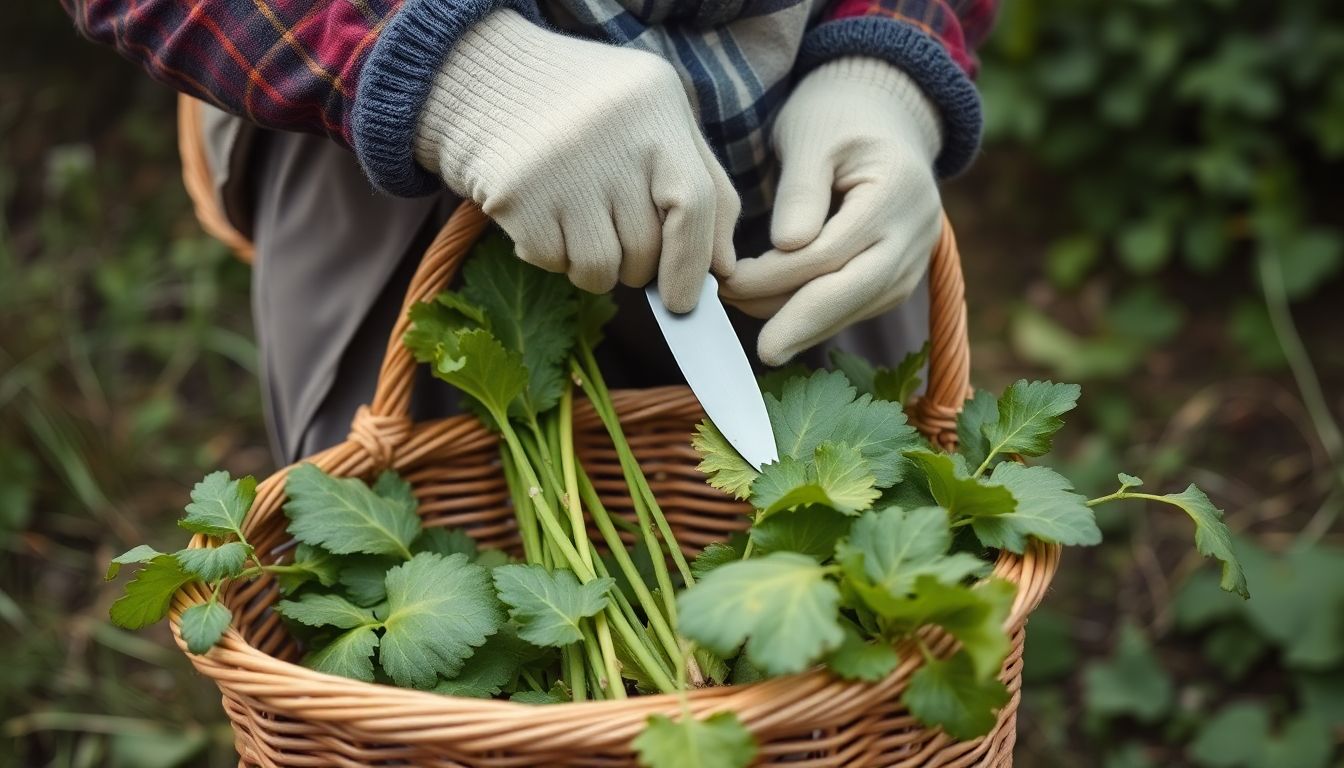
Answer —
286 715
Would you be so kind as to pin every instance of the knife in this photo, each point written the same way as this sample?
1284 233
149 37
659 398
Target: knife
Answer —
710 356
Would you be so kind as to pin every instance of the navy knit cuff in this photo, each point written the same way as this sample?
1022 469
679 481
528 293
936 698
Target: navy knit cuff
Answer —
919 56
395 83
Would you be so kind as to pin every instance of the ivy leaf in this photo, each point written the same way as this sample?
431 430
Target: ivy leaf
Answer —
958 493
219 504
493 666
718 741
141 554
309 563
439 610
1046 508
204 624
721 463
859 659
824 408
979 411
548 605
811 530
949 694
149 594
345 516
838 477
348 655
898 547
899 383
782 605
716 554
323 610
1029 417
1130 682
1212 538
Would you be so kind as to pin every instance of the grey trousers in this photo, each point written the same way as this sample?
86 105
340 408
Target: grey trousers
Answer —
334 258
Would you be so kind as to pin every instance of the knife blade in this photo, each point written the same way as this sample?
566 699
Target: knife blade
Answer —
711 358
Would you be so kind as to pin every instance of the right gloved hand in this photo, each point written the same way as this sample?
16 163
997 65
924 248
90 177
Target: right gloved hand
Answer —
587 154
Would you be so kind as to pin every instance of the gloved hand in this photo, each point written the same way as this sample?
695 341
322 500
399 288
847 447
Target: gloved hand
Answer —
588 155
857 127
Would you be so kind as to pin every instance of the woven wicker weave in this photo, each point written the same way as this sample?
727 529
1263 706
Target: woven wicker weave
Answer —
286 715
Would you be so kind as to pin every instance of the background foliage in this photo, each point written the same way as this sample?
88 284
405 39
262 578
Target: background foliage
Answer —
1156 215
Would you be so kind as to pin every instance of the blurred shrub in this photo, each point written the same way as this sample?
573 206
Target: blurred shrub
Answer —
1185 134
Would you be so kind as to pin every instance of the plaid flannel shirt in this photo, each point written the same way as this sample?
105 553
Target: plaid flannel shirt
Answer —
359 71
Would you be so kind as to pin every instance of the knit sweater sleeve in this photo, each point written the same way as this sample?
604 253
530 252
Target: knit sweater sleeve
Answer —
933 41
358 72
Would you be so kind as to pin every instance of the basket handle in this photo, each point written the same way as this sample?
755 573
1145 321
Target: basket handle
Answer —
376 425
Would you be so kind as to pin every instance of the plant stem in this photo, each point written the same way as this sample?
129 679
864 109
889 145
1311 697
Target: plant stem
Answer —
522 509
575 674
549 524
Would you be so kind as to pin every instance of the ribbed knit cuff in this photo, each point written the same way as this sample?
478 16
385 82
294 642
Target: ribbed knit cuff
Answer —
395 83
919 56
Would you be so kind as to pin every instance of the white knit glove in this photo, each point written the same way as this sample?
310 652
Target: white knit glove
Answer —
857 127
588 155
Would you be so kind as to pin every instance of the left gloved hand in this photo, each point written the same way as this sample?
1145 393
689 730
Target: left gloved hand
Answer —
860 128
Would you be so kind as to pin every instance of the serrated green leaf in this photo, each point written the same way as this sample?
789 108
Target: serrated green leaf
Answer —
974 615
977 412
345 516
443 541
860 659
348 655
1029 417
721 463
548 605
950 695
958 493
319 610
1046 508
899 384
434 321
204 624
899 546
493 666
532 313
477 363
1130 682
310 563
1128 481
393 487
141 554
811 531
149 594
824 408
595 311
772 381
219 504
363 577
718 741
439 610
214 563
857 369
716 554
1212 538
782 605
556 695
838 477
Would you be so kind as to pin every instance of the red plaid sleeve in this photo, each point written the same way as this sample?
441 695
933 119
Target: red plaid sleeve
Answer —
959 25
285 64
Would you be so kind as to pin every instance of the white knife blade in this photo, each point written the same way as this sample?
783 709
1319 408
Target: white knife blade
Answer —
710 356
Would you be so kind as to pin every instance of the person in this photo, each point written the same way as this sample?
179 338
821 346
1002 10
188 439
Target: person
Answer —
616 141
